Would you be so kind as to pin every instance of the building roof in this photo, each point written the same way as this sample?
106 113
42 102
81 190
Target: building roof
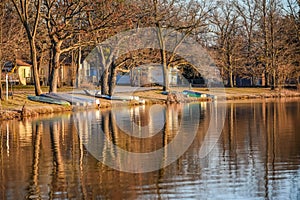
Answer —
22 63
10 66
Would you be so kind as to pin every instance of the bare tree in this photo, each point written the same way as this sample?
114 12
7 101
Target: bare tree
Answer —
29 14
293 12
107 58
61 17
269 14
248 13
186 17
162 46
116 18
75 24
227 29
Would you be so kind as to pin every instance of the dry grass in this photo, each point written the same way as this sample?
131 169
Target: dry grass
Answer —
151 95
252 93
17 101
12 108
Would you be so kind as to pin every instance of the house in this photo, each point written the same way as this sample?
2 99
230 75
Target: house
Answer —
18 72
123 79
152 75
89 73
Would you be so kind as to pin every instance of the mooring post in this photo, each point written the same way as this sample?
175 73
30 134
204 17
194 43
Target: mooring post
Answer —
6 82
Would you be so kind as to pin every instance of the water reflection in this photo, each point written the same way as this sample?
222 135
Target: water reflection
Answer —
257 155
117 138
261 145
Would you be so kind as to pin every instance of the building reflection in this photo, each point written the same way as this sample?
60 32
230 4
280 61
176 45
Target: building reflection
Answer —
257 154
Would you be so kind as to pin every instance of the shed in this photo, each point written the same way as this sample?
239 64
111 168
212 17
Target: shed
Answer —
18 71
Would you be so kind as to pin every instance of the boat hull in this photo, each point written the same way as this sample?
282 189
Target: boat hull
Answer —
49 100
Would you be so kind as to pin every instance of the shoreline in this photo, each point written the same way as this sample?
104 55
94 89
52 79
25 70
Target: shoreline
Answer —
20 107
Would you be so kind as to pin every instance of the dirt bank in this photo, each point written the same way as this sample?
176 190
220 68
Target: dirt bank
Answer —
32 111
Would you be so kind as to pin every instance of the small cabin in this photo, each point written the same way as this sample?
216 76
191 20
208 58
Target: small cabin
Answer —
19 72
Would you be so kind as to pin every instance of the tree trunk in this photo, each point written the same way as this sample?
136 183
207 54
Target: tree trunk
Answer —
54 78
36 79
113 79
78 75
164 64
268 80
166 76
163 55
231 84
274 84
1 90
50 67
265 79
104 82
1 57
266 42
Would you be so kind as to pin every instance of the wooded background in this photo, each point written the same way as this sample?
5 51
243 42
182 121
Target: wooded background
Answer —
254 40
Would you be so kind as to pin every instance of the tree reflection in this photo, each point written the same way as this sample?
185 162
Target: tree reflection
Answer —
259 137
257 155
34 188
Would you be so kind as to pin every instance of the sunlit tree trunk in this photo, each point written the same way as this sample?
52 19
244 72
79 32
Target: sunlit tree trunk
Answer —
78 72
231 81
36 77
54 78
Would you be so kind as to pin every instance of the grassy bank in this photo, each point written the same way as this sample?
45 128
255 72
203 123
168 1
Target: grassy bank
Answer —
17 100
255 93
18 106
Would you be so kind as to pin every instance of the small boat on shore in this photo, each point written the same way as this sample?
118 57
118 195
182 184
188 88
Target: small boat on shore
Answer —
43 99
193 94
72 99
198 94
189 93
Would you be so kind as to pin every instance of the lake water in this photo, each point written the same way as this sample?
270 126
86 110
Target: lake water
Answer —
97 154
